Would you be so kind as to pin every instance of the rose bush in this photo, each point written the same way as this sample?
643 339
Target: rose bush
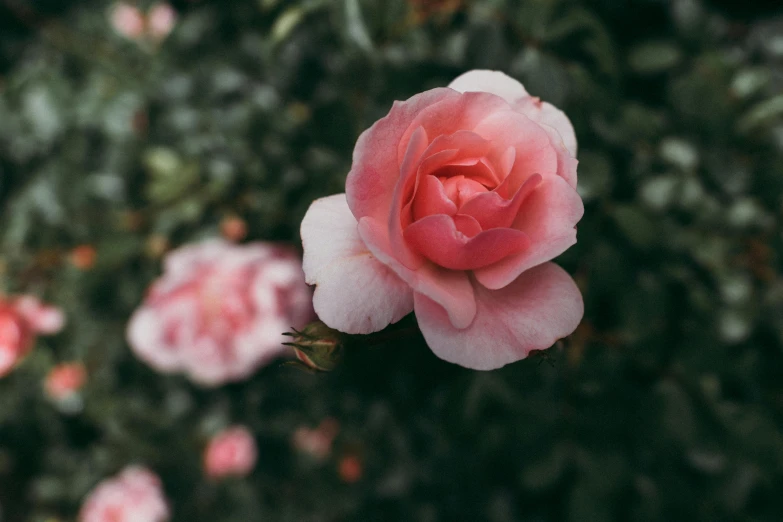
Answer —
135 495
455 203
219 310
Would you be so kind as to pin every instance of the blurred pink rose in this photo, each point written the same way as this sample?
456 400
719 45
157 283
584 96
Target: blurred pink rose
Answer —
219 310
160 20
230 453
316 442
131 23
127 20
21 319
65 380
135 495
454 204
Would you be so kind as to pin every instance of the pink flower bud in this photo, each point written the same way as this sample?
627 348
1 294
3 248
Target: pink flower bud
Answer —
83 257
160 20
65 380
350 469
127 20
133 495
230 453
233 228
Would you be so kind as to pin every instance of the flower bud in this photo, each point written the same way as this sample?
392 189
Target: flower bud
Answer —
65 380
317 347
231 452
350 469
233 228
83 257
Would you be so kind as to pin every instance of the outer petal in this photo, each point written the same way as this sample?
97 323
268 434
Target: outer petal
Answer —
146 336
548 114
554 121
449 288
495 82
327 233
531 313
548 217
354 292
189 257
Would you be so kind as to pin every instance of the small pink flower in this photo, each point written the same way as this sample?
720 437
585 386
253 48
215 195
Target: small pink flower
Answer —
127 20
233 228
316 442
455 204
160 20
65 380
219 310
21 319
230 453
350 469
135 495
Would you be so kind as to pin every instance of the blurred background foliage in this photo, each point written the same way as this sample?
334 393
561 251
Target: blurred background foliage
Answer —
666 404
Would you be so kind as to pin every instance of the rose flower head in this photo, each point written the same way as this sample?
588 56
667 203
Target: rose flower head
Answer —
21 319
455 204
135 495
231 452
219 310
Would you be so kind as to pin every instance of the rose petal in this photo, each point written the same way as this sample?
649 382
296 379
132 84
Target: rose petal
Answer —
432 199
495 82
516 95
548 114
493 211
147 338
354 293
437 238
459 187
327 233
548 217
455 113
554 121
467 225
534 152
538 308
451 289
406 185
375 170
42 318
185 259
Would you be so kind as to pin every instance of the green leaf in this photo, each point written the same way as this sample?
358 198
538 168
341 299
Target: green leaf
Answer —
654 57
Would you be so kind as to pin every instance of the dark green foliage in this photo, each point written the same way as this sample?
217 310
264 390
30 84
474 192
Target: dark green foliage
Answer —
666 404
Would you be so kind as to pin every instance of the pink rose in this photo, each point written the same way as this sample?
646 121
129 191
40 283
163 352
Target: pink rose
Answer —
230 453
161 19
316 442
127 20
65 380
21 319
135 495
454 204
219 310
